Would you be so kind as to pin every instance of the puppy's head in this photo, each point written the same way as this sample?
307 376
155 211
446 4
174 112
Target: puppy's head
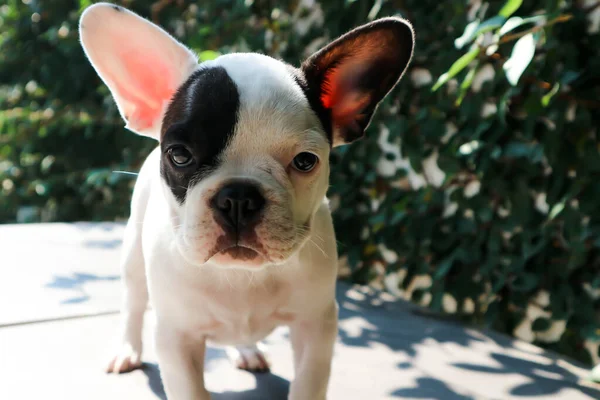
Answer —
244 138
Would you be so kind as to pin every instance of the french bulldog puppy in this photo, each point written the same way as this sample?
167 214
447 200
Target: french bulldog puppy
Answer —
230 233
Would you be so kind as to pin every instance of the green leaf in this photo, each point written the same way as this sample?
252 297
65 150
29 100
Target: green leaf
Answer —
540 324
504 102
491 314
516 149
557 209
377 219
530 251
443 267
526 282
458 66
510 7
548 96
491 24
569 77
83 4
466 84
521 56
475 29
208 55
397 217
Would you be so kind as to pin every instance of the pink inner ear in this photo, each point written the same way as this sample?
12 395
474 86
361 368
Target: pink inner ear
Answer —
150 76
140 63
341 95
142 82
148 86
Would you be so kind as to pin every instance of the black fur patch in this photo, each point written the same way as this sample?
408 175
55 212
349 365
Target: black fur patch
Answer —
202 118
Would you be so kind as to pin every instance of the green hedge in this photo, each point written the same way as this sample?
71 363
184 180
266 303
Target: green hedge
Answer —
477 198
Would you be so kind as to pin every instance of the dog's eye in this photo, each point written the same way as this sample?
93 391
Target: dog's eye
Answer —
305 162
180 156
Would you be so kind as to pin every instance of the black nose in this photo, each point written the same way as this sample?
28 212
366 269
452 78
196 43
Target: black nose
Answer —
238 204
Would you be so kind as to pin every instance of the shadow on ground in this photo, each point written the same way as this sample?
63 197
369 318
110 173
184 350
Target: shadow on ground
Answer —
402 328
398 326
75 283
103 244
103 226
543 380
430 388
395 325
268 386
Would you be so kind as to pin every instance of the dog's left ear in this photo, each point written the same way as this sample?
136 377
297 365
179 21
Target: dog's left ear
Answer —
141 64
347 79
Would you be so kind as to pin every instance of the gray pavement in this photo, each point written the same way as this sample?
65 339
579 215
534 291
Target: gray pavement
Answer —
59 296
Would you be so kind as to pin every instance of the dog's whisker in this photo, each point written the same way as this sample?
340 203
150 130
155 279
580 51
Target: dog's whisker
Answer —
126 173
318 247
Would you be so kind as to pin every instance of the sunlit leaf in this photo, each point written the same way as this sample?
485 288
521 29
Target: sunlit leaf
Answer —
510 24
467 35
595 374
458 66
521 56
510 7
475 29
208 55
557 209
548 96
515 22
375 10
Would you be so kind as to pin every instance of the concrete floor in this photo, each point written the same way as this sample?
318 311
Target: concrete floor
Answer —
59 299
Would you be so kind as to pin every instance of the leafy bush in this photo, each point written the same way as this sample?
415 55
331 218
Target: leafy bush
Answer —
476 198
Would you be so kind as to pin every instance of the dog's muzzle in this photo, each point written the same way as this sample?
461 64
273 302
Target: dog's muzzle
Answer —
238 208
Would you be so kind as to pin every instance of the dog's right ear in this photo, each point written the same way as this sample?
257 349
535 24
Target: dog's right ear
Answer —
142 65
347 79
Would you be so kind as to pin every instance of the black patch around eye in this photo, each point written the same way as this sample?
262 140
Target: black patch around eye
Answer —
180 156
201 118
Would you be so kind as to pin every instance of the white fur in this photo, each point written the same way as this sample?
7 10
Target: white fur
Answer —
195 305
173 253
274 124
167 258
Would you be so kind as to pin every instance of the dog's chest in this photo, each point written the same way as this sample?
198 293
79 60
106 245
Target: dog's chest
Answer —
245 314
232 307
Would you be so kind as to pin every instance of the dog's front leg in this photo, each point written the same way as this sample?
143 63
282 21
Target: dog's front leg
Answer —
312 343
181 364
128 356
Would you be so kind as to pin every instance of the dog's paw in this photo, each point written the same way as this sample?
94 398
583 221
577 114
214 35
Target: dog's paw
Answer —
249 358
127 359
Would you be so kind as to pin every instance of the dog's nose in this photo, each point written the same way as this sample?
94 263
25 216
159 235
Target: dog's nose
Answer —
238 204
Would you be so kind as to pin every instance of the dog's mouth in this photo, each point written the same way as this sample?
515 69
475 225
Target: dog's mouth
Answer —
241 253
237 254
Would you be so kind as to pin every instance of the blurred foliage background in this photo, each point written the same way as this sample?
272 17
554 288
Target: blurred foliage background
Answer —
475 193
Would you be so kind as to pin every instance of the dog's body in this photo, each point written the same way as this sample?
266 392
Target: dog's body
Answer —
230 233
